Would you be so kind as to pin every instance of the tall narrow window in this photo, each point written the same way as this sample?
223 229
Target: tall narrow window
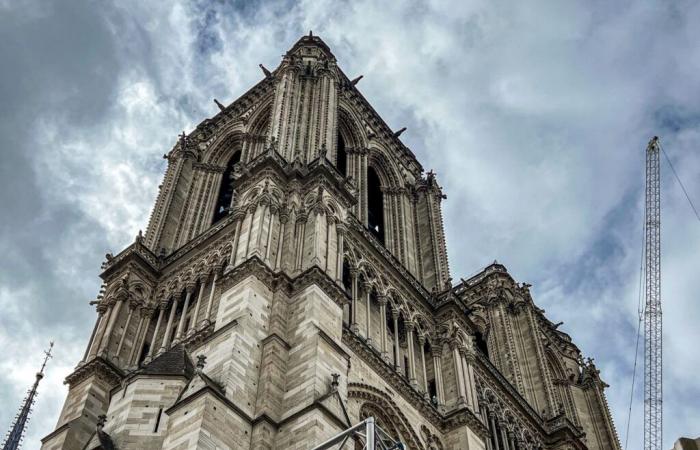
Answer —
481 343
375 206
341 162
223 202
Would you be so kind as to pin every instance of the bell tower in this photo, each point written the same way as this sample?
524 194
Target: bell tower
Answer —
296 252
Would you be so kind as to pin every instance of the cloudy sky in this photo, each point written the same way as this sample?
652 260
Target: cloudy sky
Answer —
535 115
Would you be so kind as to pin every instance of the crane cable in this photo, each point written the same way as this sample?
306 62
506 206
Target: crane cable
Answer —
679 182
640 312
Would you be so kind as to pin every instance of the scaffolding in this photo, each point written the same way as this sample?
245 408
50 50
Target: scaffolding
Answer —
368 433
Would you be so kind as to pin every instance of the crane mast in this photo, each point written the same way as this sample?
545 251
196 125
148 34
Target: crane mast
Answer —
653 356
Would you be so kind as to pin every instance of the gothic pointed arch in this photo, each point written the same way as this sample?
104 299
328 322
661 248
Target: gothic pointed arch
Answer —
375 401
348 139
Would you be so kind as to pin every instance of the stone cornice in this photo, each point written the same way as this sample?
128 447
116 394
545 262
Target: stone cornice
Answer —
136 252
99 367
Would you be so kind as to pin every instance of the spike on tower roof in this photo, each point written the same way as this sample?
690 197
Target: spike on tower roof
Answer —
13 440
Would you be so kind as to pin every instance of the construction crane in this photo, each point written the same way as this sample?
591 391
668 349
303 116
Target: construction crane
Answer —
653 340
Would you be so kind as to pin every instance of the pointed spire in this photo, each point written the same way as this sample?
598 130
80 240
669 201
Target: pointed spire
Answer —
218 103
13 440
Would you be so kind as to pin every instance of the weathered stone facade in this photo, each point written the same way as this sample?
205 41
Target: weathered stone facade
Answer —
295 240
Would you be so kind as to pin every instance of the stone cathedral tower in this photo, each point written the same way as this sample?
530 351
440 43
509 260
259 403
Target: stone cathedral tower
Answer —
293 279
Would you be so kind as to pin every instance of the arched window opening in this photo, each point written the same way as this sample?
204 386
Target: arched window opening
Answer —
375 205
144 352
347 279
223 202
341 162
481 343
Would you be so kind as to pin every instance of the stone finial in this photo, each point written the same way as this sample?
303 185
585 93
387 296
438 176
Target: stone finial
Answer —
201 362
101 420
218 103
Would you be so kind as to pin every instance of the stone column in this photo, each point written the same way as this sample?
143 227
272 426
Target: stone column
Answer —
268 249
284 216
107 336
97 334
437 368
207 315
465 377
161 311
353 316
340 236
234 243
382 325
132 307
181 324
410 327
193 323
458 372
139 338
421 342
511 440
169 327
494 431
489 439
395 318
469 359
504 437
368 309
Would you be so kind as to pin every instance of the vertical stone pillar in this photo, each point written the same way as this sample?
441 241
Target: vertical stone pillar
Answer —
169 327
132 306
437 368
395 318
140 337
504 437
382 325
284 217
456 357
107 336
161 311
207 315
340 239
353 319
97 332
181 324
494 430
471 402
368 309
421 342
511 440
234 242
268 245
193 323
410 327
469 359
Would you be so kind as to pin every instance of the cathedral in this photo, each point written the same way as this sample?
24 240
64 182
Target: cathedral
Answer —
293 280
